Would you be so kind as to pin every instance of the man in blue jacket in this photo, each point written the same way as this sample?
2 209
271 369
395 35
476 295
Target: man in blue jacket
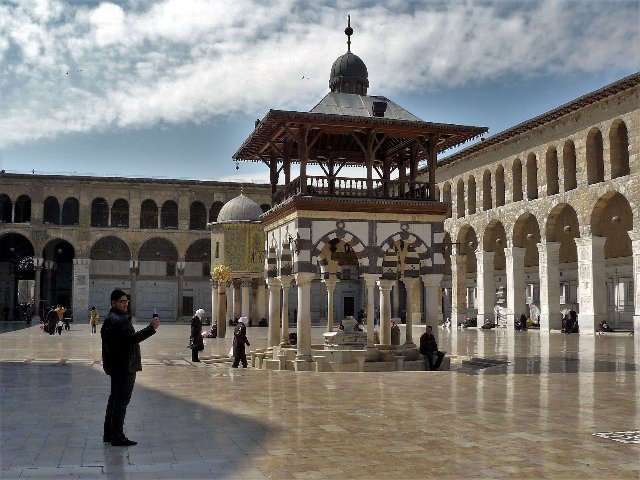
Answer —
121 361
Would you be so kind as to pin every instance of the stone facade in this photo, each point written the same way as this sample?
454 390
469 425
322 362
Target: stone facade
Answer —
549 212
89 235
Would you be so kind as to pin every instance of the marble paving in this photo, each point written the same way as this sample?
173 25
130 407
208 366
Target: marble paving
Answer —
516 405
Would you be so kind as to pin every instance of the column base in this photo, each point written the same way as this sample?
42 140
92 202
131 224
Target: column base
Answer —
304 365
588 323
550 321
456 319
511 321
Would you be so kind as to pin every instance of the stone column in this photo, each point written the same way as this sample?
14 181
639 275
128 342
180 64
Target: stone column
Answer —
635 246
330 283
37 264
274 286
549 271
80 294
458 287
285 281
395 304
229 294
370 280
486 286
432 298
214 300
409 285
245 284
237 300
50 267
180 271
134 269
385 287
222 312
515 284
592 283
303 282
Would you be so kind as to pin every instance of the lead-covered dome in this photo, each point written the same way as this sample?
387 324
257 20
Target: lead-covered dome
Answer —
240 209
349 75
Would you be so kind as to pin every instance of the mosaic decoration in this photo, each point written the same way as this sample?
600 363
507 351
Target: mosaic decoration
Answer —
630 436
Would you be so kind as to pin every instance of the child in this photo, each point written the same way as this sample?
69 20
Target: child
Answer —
59 325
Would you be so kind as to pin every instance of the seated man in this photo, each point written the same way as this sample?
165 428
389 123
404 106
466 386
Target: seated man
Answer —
606 327
429 348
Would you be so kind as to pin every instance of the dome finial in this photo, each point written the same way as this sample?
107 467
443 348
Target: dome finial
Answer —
348 32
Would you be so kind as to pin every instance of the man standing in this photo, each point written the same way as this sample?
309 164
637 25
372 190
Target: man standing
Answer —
121 360
429 347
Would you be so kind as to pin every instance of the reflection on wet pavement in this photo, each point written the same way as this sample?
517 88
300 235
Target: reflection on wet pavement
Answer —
515 405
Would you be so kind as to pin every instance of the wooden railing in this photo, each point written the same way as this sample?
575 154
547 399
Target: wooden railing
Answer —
354 187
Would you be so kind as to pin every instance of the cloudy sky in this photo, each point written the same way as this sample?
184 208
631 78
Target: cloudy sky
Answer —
171 88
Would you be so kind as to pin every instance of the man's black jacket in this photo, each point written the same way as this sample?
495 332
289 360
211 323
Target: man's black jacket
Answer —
120 344
428 343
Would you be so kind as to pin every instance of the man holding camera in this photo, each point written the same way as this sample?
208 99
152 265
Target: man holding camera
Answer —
121 361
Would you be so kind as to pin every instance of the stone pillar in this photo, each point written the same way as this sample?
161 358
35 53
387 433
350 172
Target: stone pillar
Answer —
245 284
214 300
515 284
432 298
486 286
180 271
80 295
409 285
592 283
285 281
549 271
274 286
385 287
37 264
222 312
229 301
50 267
395 304
134 269
458 287
303 282
370 280
635 246
237 300
330 283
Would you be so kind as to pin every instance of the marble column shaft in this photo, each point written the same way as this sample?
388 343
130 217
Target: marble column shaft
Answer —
635 246
330 283
285 281
458 287
486 286
245 292
549 273
37 263
432 298
274 286
214 301
515 284
222 312
409 285
592 283
303 282
385 286
370 280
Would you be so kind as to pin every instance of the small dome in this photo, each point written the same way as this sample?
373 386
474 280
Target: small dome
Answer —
240 209
349 75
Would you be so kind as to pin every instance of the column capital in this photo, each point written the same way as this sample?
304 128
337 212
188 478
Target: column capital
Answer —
409 281
385 284
273 283
245 282
330 283
285 280
214 283
38 262
432 279
81 261
590 240
370 279
635 236
304 278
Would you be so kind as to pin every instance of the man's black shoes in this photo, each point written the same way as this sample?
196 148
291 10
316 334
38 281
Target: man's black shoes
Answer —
125 442
106 439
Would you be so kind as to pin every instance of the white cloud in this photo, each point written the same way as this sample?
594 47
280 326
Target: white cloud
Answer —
68 68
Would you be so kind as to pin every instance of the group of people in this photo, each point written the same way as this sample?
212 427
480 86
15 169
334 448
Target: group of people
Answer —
55 320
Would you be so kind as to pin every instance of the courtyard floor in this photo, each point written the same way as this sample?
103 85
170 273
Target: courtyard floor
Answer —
524 405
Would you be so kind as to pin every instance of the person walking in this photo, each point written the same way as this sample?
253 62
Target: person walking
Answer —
94 316
196 341
429 348
52 319
239 342
121 360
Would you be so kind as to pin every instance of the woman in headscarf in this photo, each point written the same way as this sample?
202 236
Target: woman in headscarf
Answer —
196 341
239 342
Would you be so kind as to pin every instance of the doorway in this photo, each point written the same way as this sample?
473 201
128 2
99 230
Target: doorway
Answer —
348 306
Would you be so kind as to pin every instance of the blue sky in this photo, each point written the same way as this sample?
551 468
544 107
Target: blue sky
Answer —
171 88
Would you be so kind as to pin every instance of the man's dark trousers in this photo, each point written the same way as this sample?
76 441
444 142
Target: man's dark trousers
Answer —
429 356
121 390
